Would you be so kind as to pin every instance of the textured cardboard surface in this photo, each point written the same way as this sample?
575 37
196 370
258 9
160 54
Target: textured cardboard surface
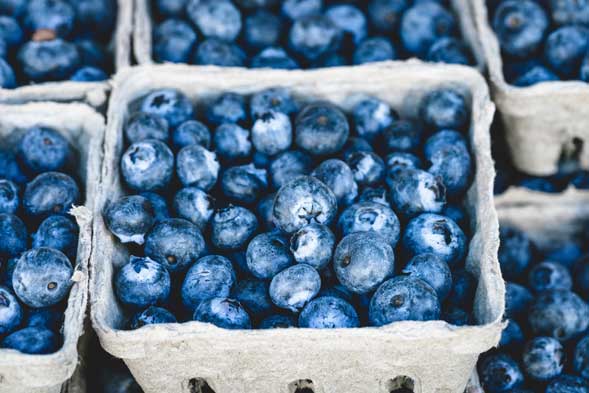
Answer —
543 122
84 129
143 26
92 93
437 356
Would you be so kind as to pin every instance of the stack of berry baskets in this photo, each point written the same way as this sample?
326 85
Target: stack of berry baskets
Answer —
536 54
49 165
303 34
279 203
62 50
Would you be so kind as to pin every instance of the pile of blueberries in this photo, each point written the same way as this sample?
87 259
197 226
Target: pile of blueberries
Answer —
545 347
542 40
294 213
292 34
38 240
55 40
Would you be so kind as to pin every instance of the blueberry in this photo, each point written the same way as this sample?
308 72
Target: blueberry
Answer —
43 149
367 167
296 9
49 317
32 340
374 49
433 270
520 26
175 243
313 245
89 74
272 133
55 15
543 358
548 276
170 104
288 166
232 227
227 108
362 261
10 31
558 313
457 214
538 184
262 29
92 53
567 254
171 8
569 12
11 313
355 144
9 199
216 52
350 20
464 286
402 160
535 74
338 176
377 195
96 16
196 166
42 277
403 298
515 252
500 373
450 161
385 15
444 108
191 132
268 254
142 126
423 24
372 117
13 235
432 233
244 184
302 201
321 129
148 165
159 204
6 277
232 142
254 296
194 205
215 18
275 99
314 36
581 357
330 60
294 287
224 313
142 282
50 193
211 276
150 316
567 384
13 7
581 276
328 312
129 218
565 49
173 41
518 300
278 321
7 77
414 191
449 50
9 167
57 232
264 210
512 336
253 4
44 61
371 217
274 57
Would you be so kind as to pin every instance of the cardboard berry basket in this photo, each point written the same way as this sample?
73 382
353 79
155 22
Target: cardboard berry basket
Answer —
92 93
143 26
544 122
422 356
521 196
84 128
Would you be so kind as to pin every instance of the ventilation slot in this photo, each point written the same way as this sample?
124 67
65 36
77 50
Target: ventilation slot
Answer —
199 385
400 384
301 386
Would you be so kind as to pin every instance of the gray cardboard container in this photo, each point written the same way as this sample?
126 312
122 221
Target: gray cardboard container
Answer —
143 27
543 122
92 93
84 128
429 356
